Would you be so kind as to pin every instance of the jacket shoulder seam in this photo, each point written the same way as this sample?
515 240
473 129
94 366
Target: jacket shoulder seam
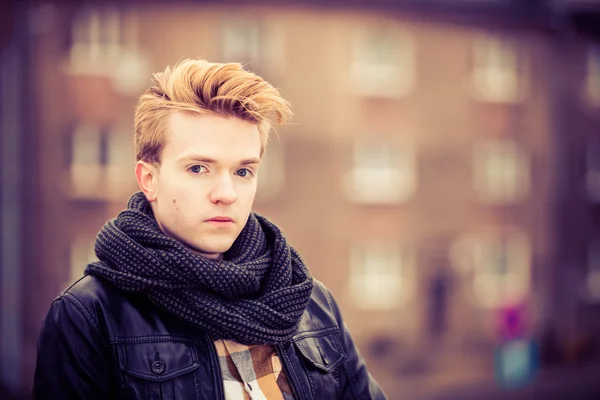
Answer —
82 310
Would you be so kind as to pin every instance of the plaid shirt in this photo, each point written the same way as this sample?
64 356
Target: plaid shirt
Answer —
252 372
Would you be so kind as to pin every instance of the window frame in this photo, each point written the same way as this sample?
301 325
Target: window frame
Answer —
501 171
401 67
490 81
387 286
399 181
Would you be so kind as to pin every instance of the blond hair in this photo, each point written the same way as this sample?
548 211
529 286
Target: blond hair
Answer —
205 88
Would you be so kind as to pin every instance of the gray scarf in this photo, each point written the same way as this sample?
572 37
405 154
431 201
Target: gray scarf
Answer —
255 295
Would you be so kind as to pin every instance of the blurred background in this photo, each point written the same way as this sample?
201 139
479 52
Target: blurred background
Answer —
441 176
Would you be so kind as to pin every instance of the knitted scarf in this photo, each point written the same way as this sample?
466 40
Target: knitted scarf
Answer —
255 295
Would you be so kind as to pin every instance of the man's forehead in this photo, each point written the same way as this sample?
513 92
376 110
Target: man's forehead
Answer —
214 138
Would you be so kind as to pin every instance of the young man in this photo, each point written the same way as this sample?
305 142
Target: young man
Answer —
194 296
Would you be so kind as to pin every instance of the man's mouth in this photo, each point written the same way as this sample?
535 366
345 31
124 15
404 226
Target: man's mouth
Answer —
220 221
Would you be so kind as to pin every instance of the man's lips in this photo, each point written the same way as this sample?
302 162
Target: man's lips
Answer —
220 219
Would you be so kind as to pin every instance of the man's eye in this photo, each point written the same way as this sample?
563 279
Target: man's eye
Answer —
196 169
244 172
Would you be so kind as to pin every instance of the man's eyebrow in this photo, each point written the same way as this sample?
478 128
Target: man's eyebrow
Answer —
250 161
208 160
195 157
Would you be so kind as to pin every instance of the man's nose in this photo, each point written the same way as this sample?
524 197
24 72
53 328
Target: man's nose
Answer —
223 190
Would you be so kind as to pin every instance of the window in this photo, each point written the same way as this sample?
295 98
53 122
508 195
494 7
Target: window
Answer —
383 63
593 76
498 265
499 67
592 280
85 167
382 172
592 176
104 41
101 162
241 42
381 276
500 171
257 46
120 179
96 40
82 253
271 175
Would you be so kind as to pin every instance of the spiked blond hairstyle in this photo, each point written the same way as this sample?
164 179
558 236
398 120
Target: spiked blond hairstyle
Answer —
203 87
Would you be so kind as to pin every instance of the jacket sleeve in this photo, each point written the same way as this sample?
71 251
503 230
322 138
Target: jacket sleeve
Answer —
72 357
361 385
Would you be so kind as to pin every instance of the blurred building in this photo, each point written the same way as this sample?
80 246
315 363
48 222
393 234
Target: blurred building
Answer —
444 164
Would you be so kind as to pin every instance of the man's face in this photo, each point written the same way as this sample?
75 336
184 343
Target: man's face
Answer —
205 186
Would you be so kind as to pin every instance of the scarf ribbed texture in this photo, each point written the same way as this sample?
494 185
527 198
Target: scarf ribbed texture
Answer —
255 295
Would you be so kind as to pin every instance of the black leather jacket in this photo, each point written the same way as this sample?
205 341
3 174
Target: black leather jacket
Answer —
100 343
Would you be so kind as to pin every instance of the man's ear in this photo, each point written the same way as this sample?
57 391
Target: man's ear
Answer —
146 175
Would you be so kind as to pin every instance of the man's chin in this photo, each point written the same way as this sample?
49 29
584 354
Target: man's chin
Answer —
213 252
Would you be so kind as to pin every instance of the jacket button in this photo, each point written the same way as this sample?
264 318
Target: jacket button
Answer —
158 367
